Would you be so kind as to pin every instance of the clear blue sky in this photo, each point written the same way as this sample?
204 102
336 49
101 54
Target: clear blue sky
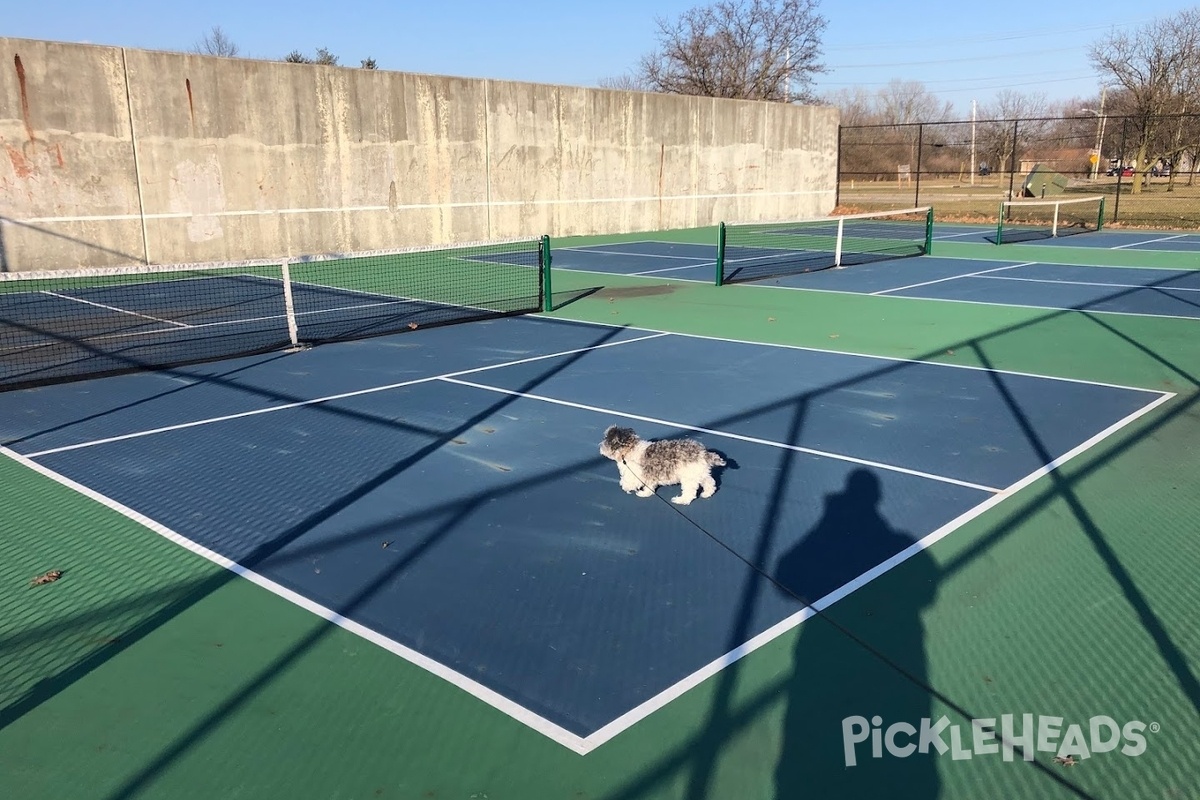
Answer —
958 54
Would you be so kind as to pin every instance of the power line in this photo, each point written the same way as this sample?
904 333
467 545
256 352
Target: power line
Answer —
966 80
909 44
972 59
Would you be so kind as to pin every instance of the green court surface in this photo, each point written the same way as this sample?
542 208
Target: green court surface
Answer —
149 672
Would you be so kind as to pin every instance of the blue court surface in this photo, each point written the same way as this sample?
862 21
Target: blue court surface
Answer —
1005 280
1148 241
441 493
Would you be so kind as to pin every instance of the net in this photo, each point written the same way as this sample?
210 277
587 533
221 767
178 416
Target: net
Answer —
68 324
1026 220
754 251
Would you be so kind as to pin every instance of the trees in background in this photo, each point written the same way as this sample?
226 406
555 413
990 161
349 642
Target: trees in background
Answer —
218 43
742 49
323 57
1155 72
215 43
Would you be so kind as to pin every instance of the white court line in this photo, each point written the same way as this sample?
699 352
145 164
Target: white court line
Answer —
113 308
342 396
919 299
481 692
704 264
571 741
597 252
782 256
660 700
926 299
1091 283
951 278
383 300
869 357
626 253
1150 241
1079 250
957 235
673 198
724 434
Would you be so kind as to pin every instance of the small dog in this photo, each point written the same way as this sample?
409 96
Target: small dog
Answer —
644 466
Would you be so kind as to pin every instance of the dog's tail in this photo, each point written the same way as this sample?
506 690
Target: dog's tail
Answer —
715 459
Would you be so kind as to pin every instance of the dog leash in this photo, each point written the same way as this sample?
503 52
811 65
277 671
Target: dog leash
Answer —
631 472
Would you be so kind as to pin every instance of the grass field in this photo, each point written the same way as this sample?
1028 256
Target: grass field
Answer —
1160 204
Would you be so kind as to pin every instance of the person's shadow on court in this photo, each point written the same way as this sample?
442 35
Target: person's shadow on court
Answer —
834 678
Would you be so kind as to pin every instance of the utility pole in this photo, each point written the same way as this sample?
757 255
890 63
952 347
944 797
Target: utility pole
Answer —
787 71
972 142
1100 120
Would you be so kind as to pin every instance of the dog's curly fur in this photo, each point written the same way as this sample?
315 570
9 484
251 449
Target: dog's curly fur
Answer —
646 465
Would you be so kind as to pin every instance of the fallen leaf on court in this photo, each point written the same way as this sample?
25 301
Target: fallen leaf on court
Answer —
49 577
770 319
949 352
386 544
412 325
1066 761
834 335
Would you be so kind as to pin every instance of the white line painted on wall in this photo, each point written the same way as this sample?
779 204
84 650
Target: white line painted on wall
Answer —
417 206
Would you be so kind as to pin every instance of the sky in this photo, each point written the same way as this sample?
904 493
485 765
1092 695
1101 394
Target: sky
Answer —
961 56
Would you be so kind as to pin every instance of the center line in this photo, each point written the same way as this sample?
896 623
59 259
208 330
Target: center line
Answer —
114 308
954 277
752 439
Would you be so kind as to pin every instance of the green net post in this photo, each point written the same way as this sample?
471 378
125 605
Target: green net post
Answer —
720 253
547 293
1100 215
929 230
1000 224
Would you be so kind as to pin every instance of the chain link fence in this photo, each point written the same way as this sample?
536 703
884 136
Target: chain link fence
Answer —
1145 167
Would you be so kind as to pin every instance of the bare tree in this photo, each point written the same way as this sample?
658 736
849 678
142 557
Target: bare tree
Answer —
216 43
1156 66
748 49
856 106
1009 104
904 102
627 83
881 127
898 103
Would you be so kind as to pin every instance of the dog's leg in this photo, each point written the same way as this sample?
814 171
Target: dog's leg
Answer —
687 492
708 486
629 481
647 490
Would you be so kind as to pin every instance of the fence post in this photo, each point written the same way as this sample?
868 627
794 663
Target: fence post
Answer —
1120 168
917 191
1012 162
837 190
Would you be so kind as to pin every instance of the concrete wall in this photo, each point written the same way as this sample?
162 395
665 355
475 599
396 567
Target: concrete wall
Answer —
118 156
